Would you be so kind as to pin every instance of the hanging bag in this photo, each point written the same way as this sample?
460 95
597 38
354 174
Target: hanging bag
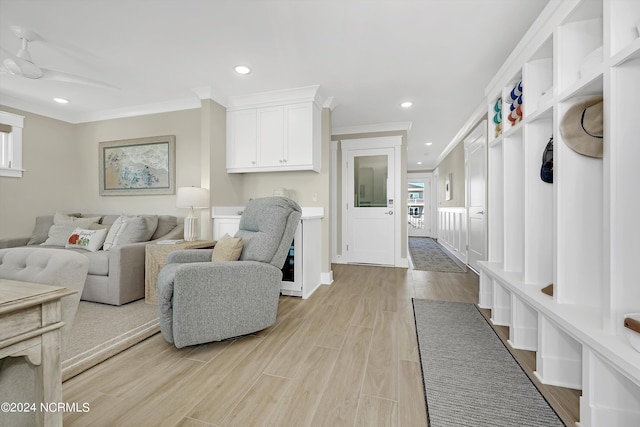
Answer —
546 171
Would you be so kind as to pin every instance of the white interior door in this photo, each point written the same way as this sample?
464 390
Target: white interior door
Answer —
371 206
418 205
475 147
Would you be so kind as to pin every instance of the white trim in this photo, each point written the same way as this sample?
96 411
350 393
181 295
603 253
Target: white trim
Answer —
381 127
335 167
11 119
326 277
15 144
141 110
205 92
367 143
95 116
275 97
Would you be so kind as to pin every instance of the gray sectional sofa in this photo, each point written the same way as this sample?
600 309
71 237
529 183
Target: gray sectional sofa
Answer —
116 275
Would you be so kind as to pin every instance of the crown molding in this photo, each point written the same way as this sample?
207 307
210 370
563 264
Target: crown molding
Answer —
95 116
274 97
206 92
141 110
380 127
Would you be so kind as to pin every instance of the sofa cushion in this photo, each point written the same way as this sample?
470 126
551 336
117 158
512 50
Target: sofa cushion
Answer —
131 229
166 223
41 229
63 226
90 240
227 249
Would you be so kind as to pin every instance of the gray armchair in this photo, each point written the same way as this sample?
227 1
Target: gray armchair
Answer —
201 301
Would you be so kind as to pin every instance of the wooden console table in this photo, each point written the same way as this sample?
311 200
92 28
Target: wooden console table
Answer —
30 322
156 257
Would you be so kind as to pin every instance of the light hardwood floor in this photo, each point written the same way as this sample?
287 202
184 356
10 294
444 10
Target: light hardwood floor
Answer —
347 356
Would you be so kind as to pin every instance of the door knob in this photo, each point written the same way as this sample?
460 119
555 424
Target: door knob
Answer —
389 213
480 213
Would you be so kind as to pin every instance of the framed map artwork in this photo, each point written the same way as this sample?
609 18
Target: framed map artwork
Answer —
142 166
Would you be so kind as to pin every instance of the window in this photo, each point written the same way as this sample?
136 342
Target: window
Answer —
11 144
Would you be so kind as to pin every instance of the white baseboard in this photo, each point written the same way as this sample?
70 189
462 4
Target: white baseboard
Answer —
402 263
326 278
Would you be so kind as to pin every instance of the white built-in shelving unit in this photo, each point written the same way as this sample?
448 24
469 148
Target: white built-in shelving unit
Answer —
581 233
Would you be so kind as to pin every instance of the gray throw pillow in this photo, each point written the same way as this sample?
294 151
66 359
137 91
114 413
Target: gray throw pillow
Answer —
130 229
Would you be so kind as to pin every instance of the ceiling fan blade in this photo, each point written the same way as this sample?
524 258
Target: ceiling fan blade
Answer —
59 45
72 78
19 66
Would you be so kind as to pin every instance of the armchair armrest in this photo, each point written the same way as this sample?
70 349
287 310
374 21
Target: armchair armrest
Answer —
214 301
190 255
12 242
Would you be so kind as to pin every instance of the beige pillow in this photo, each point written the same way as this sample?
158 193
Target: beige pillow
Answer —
63 226
227 249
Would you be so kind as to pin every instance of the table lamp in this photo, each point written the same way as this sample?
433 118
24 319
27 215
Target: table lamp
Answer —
193 198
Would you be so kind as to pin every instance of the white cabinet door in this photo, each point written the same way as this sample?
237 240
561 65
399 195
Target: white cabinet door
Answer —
298 144
275 138
241 139
270 136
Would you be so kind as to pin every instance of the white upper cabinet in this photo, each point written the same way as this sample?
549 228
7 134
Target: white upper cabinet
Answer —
241 139
275 131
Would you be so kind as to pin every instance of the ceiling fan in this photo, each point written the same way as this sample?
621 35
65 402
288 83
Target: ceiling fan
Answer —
22 65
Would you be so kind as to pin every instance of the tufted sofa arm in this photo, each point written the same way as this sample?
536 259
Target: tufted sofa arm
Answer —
56 267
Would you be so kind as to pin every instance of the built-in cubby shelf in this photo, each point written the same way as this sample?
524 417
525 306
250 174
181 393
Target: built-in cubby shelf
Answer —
581 232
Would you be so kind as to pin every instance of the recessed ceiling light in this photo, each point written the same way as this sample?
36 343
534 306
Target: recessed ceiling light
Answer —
61 100
242 69
406 104
419 163
428 143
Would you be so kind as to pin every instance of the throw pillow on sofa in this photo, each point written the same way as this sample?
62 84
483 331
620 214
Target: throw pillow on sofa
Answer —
90 240
63 226
130 229
227 249
41 229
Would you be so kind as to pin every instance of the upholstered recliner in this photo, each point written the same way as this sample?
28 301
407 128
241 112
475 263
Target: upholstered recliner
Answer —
55 267
202 301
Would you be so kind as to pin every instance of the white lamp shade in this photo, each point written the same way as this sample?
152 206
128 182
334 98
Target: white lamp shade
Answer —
192 197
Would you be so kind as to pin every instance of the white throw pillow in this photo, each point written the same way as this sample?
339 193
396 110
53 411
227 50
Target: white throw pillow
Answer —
130 229
90 240
63 226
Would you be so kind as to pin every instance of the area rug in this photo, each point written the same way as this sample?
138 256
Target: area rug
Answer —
428 255
470 377
100 331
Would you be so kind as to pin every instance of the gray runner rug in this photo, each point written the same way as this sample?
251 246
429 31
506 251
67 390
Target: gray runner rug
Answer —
428 255
470 378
